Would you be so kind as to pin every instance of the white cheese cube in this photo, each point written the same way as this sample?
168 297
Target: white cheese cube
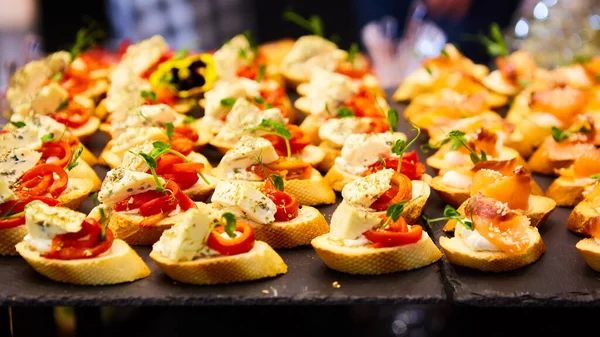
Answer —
120 184
365 191
245 154
43 222
329 88
245 198
43 125
15 162
243 116
184 240
49 99
6 194
349 223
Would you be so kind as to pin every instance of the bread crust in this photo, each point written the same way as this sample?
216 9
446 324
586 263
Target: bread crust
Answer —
84 171
73 197
309 224
590 250
458 253
582 213
85 131
260 262
119 265
539 162
375 261
9 237
566 192
437 162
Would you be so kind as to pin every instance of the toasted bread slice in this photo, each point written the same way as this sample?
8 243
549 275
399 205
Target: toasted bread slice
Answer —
437 161
539 210
376 261
260 262
76 192
590 250
88 156
582 213
85 171
567 192
85 131
458 253
100 110
9 237
539 162
309 224
330 153
119 265
201 191
495 82
456 196
310 192
310 126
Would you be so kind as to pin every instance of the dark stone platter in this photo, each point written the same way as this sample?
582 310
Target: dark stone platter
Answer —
560 278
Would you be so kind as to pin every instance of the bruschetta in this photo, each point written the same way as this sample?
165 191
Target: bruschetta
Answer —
568 188
70 247
585 211
201 249
590 247
514 72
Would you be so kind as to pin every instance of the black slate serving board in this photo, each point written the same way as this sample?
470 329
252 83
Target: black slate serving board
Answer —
308 281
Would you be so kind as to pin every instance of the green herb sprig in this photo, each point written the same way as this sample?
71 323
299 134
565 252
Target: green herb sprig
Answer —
85 39
458 140
269 127
494 43
313 24
450 213
400 146
149 95
344 112
73 161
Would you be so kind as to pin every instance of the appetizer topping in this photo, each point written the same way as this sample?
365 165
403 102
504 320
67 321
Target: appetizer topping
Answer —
44 222
72 114
501 226
6 194
244 116
233 55
15 162
243 199
365 104
474 240
138 59
49 99
349 222
121 183
287 168
514 190
587 165
312 52
231 236
337 130
518 68
145 116
233 89
378 190
43 179
244 154
394 232
91 241
287 204
43 125
327 90
287 143
21 137
564 102
457 179
136 136
12 212
360 151
186 239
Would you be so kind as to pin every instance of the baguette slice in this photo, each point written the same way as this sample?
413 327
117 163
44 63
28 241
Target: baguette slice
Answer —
581 215
88 156
539 210
260 262
338 178
9 237
376 261
566 192
590 250
84 171
85 131
437 161
310 126
539 162
119 265
331 152
76 193
458 253
309 224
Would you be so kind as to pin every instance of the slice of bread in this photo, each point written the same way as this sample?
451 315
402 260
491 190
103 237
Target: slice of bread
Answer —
437 161
566 192
582 213
85 171
310 126
119 265
374 261
260 262
76 193
452 195
85 131
9 237
309 224
458 253
590 250
539 162
200 191
540 208
88 156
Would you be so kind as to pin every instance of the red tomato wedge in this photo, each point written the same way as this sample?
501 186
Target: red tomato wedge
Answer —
232 246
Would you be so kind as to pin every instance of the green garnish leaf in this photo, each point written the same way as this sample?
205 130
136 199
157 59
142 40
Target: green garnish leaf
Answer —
94 197
582 59
73 162
251 42
85 39
18 124
259 100
63 105
277 182
49 137
148 95
261 73
148 159
276 129
523 82
160 145
444 53
58 77
170 129
345 112
459 140
392 118
189 120
181 53
395 211
229 223
353 53
428 70
494 43
559 135
450 213
228 102
313 24
103 223
595 176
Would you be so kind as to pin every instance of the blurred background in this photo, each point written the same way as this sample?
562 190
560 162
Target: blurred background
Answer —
396 34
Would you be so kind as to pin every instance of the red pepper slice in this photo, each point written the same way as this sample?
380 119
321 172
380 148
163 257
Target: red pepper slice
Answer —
81 245
18 206
411 166
41 174
60 149
182 145
298 140
232 246
287 204
135 201
185 132
396 235
73 116
400 190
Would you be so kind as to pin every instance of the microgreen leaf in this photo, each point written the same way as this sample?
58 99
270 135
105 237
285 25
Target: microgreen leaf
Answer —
18 124
261 73
459 140
228 102
523 82
181 53
73 162
251 42
352 53
160 145
49 137
494 43
276 129
148 95
58 77
229 223
313 24
400 146
151 161
189 120
392 118
103 223
428 70
94 197
559 135
444 53
63 105
170 129
85 39
277 181
344 112
595 176
450 213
